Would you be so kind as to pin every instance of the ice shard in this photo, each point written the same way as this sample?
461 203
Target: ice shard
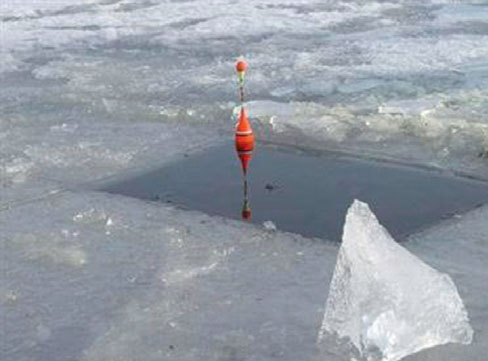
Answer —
385 301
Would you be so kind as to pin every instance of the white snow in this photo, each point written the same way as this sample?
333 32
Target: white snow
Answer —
385 300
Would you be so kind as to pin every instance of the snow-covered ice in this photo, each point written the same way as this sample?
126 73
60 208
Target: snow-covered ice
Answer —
92 89
385 300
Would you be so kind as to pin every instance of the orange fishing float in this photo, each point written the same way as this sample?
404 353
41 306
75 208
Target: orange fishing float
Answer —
244 140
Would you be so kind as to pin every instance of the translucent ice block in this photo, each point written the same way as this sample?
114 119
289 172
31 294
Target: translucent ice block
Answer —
386 301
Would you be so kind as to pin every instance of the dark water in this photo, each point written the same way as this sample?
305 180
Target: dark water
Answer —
305 193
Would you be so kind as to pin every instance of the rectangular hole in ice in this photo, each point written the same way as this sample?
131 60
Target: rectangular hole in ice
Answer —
305 192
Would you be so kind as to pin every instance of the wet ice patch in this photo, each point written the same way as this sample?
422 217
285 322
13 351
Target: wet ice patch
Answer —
52 247
15 171
385 300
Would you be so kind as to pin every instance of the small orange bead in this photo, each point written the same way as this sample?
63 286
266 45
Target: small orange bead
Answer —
241 66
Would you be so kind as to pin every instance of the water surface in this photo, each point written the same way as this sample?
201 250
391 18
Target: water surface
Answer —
307 193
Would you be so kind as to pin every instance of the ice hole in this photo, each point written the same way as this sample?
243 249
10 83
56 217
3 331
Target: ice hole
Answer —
306 192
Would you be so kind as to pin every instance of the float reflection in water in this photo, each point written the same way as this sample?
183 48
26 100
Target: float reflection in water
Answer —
246 208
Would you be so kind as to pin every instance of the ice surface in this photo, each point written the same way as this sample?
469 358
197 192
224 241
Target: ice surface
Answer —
376 77
93 88
386 300
95 277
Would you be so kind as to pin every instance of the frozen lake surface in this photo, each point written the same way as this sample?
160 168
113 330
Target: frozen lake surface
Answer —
92 89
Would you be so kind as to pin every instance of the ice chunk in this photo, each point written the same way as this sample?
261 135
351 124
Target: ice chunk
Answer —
385 300
269 226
